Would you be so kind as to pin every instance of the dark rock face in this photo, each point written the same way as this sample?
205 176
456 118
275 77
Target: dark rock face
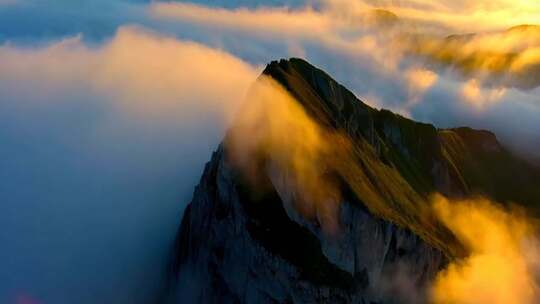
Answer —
237 244
245 251
455 162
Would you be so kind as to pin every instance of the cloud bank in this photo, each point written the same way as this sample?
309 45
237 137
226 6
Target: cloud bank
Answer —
503 261
102 148
392 57
299 161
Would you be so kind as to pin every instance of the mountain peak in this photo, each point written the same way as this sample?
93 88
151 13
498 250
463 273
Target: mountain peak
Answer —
414 148
249 240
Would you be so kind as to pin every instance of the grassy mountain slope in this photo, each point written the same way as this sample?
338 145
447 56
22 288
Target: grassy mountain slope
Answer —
396 163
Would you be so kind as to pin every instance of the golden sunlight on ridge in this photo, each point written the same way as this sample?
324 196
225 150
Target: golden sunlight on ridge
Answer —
273 124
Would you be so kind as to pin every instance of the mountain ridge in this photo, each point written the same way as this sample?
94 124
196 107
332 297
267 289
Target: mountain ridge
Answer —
467 134
247 243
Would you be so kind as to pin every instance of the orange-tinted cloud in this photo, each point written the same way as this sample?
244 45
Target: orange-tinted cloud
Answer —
502 264
139 70
305 22
419 80
465 16
389 35
479 97
296 152
507 58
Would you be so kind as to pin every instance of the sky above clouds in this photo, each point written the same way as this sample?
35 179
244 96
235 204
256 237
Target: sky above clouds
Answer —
109 110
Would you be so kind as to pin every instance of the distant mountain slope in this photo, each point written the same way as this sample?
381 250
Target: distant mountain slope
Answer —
244 244
500 58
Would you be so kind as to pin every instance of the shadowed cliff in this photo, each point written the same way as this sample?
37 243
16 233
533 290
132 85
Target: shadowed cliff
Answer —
246 240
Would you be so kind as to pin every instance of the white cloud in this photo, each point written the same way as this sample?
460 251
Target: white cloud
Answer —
102 146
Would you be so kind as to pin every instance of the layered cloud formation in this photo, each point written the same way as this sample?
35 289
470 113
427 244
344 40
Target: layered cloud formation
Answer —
503 262
137 69
360 26
102 148
108 111
466 58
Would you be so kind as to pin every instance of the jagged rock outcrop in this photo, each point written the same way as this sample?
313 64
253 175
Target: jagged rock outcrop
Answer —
238 244
238 250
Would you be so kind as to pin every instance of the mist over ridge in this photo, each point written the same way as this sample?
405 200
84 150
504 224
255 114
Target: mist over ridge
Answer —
110 109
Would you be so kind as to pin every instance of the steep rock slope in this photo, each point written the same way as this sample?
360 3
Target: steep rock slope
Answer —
241 244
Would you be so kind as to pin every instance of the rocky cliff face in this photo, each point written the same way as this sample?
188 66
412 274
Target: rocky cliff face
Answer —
238 244
245 250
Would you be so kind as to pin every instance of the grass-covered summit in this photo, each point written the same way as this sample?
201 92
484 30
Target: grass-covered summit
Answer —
399 163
